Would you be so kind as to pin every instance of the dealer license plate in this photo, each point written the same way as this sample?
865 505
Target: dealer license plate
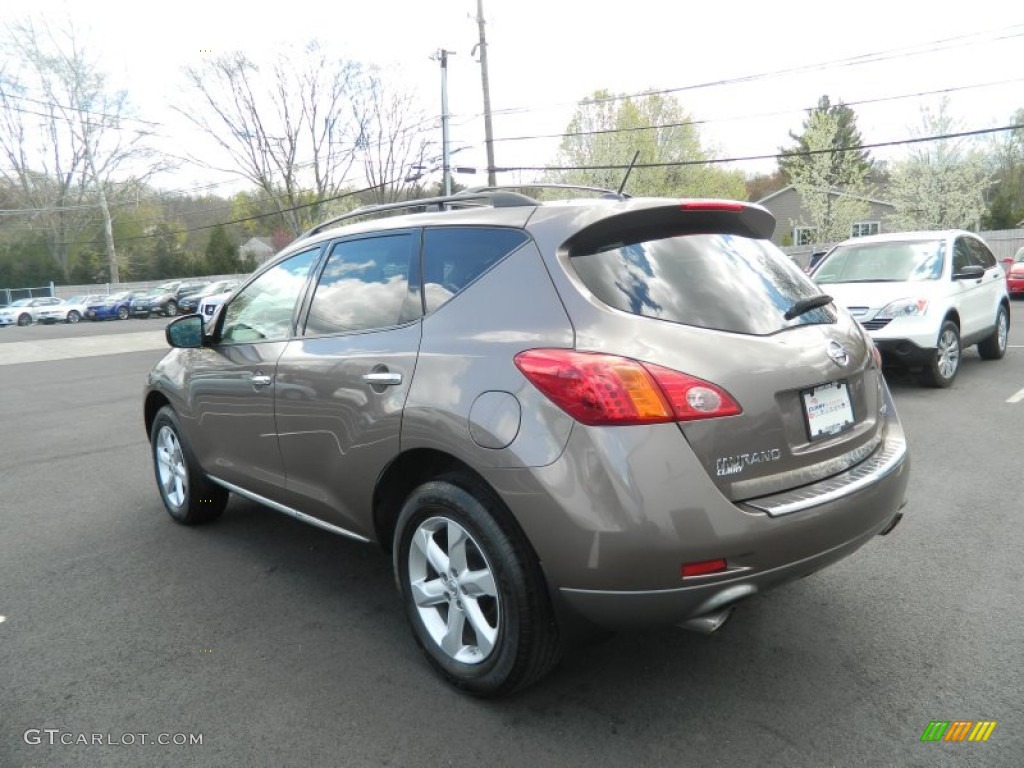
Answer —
828 410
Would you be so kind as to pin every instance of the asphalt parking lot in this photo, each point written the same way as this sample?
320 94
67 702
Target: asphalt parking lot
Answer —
278 644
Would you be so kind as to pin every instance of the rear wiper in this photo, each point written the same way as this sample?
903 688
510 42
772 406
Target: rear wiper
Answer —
806 305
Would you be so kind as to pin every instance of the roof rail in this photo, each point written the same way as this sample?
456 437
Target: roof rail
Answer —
607 193
494 198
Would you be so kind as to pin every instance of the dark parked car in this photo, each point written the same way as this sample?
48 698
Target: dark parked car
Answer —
163 300
113 307
558 419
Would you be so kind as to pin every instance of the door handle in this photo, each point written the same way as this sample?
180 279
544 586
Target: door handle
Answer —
260 380
385 378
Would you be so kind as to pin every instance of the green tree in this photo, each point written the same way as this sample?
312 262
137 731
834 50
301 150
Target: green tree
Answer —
843 140
168 253
941 184
221 253
1006 197
608 130
832 184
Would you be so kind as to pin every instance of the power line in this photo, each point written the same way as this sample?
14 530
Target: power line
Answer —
761 115
772 156
868 58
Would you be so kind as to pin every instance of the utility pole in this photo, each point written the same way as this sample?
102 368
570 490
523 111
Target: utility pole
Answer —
488 133
446 162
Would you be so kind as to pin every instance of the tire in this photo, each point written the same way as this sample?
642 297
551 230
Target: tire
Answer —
946 363
122 313
171 309
488 630
74 316
994 347
25 319
189 497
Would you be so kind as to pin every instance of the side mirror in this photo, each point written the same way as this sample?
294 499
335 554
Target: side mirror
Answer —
970 272
185 332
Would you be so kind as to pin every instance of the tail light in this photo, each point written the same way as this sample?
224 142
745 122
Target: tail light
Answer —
608 390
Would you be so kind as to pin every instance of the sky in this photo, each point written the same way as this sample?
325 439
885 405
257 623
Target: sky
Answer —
546 55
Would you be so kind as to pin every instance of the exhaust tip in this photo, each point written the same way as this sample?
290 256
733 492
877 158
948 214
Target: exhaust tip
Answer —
709 623
892 524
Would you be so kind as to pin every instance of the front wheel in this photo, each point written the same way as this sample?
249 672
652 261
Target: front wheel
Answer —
122 313
188 495
946 362
994 347
24 319
172 309
74 316
473 590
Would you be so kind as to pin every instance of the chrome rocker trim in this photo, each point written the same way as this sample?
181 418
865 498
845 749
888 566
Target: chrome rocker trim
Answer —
301 516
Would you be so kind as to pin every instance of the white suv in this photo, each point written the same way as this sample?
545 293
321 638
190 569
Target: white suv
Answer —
923 297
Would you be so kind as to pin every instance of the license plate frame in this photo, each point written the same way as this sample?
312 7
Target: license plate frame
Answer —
828 410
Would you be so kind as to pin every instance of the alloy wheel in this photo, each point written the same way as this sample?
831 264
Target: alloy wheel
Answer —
453 587
170 463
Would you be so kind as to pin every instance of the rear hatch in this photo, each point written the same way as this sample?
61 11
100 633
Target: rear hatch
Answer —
697 288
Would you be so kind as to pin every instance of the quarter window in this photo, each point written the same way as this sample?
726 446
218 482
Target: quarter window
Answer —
264 309
453 257
365 286
961 255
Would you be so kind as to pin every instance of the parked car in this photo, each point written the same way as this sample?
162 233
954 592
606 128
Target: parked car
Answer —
113 307
923 297
26 311
557 418
163 300
70 310
189 304
1015 275
209 305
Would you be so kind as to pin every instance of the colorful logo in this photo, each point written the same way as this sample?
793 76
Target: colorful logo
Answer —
958 730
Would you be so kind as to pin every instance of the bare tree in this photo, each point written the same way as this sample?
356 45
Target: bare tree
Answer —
63 133
393 148
292 128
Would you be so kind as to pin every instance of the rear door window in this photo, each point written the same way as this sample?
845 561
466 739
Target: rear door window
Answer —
453 257
720 282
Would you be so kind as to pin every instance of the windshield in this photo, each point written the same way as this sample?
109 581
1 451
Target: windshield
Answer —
20 303
888 262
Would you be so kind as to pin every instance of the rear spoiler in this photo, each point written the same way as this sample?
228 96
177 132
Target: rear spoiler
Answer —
687 217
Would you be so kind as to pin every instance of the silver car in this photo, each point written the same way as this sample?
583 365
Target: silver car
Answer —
559 419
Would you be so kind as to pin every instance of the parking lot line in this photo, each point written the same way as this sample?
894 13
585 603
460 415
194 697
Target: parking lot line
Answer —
92 346
1016 398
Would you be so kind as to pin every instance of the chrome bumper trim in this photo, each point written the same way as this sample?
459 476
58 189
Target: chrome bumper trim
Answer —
868 472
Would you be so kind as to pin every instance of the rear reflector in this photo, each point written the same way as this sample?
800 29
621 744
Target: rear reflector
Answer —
704 568
600 390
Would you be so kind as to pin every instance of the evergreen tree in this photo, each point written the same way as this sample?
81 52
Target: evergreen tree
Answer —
845 136
221 253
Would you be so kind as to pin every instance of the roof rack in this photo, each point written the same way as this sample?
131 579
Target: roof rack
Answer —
606 193
493 197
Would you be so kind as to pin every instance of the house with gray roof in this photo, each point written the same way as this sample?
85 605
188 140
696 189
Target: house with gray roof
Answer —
793 222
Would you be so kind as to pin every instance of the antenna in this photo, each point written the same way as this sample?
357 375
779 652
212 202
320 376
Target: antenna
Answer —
629 170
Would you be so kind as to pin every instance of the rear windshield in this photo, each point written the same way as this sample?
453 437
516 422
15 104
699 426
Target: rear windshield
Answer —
721 282
891 262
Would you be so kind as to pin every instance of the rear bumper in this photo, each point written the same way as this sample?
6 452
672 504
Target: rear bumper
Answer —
617 515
